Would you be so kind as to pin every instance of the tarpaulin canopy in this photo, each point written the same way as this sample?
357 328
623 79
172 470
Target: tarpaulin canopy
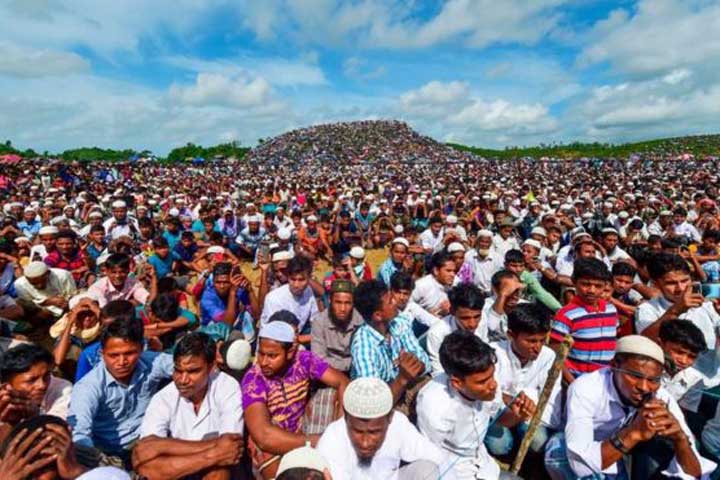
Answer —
10 158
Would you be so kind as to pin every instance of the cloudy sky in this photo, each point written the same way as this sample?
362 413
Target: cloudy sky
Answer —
156 74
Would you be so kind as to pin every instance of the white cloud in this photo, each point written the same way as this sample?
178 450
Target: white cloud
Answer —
358 68
219 90
27 62
659 36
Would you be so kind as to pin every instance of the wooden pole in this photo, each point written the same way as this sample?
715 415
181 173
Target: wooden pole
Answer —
552 377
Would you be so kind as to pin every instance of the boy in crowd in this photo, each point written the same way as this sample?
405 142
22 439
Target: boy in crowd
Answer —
118 285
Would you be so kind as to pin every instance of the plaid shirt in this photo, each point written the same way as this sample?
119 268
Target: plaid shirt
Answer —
373 355
55 260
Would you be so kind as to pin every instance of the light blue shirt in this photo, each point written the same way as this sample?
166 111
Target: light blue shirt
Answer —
107 414
386 271
373 355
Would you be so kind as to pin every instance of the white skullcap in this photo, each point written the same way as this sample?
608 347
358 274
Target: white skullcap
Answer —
357 252
303 457
152 203
48 231
608 230
174 212
311 218
640 345
484 233
284 255
35 269
141 207
255 219
29 210
368 398
538 231
95 214
105 473
455 247
451 219
119 204
623 214
215 249
401 241
21 239
238 354
284 234
399 229
278 331
532 243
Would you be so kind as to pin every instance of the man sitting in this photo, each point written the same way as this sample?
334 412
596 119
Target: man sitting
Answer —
108 404
48 289
117 285
371 440
275 393
623 412
430 291
194 425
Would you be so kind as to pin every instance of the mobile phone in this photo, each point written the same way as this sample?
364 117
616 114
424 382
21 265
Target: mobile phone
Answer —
697 288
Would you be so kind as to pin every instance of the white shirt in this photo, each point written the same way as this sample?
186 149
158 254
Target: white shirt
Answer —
504 245
530 378
304 307
59 283
685 387
402 443
442 329
428 240
617 255
459 425
429 293
704 317
595 412
171 416
114 231
688 231
57 398
484 268
419 314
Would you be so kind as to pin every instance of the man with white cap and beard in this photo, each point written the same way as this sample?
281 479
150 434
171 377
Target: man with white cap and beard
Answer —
622 413
49 289
120 224
484 261
372 440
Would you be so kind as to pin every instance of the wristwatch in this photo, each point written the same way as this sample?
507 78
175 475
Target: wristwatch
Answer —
617 443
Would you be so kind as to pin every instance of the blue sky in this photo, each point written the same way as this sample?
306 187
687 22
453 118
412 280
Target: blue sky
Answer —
156 74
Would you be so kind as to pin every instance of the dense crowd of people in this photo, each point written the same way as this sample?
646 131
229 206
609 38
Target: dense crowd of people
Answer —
232 320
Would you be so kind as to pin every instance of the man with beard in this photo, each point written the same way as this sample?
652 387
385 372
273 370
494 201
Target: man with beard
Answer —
372 440
194 425
68 256
49 289
623 413
120 224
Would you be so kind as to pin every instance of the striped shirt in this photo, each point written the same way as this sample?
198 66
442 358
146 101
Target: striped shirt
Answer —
594 331
373 355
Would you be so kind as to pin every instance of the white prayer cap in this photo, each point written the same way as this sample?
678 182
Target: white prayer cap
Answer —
623 214
204 199
532 243
368 398
283 234
311 218
399 229
401 241
119 204
19 240
254 219
48 231
152 203
484 233
303 457
284 255
451 219
278 331
538 231
357 252
29 210
105 473
95 214
238 354
608 231
35 269
141 207
173 212
640 345
215 249
455 247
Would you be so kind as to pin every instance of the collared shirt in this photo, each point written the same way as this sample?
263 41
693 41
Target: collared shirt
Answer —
415 312
285 397
704 317
114 230
403 443
430 241
374 355
514 377
595 411
429 293
304 307
103 291
503 245
688 231
60 283
686 387
31 228
459 426
171 416
212 307
386 271
77 261
593 329
107 414
442 329
332 342
484 268
57 398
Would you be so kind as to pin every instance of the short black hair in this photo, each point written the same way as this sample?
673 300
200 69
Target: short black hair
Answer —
117 309
120 260
196 343
528 318
30 425
440 258
97 228
501 275
222 268
466 295
160 242
514 256
435 219
623 269
401 281
670 244
299 264
285 316
165 306
591 269
367 297
166 284
20 358
187 234
663 263
463 353
131 330
66 234
685 333
300 473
